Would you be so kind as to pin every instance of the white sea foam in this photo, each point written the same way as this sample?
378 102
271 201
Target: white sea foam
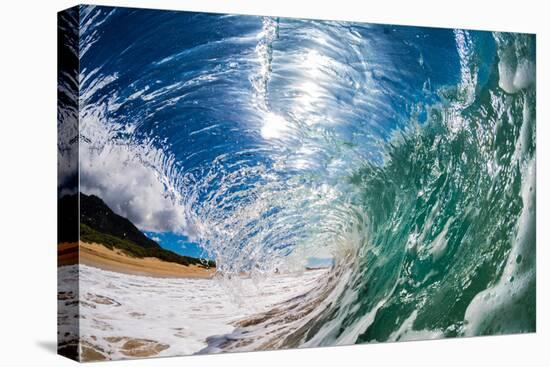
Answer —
180 313
439 244
516 70
406 331
502 307
516 77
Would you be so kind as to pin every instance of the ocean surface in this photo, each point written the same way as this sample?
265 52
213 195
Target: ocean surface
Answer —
402 156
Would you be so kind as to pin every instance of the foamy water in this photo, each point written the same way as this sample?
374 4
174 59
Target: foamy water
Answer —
178 313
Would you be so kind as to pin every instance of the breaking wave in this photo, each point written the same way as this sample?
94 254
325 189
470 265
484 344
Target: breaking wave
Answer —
404 155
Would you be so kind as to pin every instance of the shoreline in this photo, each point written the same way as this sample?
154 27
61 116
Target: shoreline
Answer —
128 316
99 256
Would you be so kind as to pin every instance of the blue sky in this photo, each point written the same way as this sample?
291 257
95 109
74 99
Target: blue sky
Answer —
177 243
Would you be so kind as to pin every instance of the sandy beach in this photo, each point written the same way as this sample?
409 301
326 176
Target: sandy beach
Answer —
67 253
99 256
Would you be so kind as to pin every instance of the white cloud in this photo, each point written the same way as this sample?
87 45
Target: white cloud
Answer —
131 188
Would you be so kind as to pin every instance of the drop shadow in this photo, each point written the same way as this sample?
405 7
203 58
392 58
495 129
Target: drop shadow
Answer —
48 345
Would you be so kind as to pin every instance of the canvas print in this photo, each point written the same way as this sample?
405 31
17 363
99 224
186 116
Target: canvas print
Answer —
233 183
